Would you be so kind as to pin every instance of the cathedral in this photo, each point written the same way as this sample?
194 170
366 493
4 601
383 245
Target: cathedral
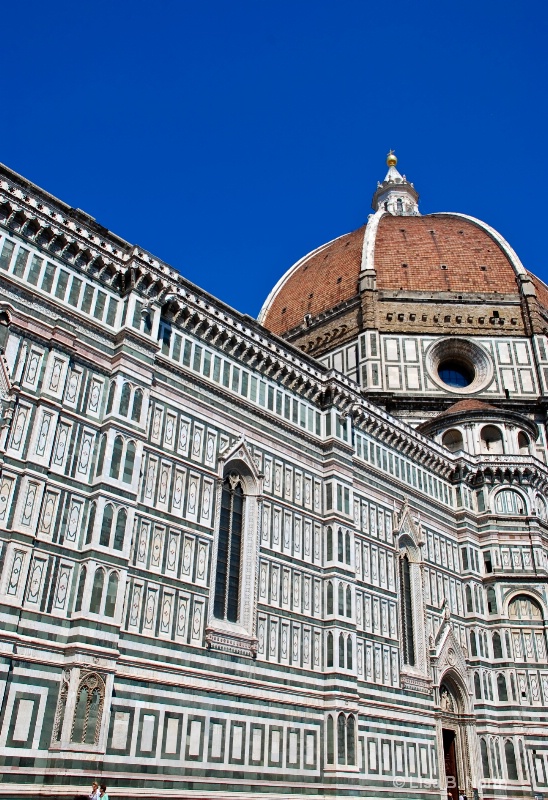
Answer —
299 556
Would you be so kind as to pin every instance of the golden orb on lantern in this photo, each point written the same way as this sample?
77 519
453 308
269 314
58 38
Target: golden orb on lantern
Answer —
391 159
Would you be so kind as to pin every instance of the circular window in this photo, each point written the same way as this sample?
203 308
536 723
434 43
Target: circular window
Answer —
456 373
458 365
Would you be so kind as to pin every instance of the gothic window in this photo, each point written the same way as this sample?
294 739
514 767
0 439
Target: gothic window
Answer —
477 686
341 651
120 530
110 401
502 688
341 599
497 646
469 604
473 645
112 591
348 601
485 688
61 705
510 756
522 759
124 400
227 582
399 207
341 739
330 741
86 726
137 405
106 526
129 463
97 591
513 687
485 759
329 649
329 597
351 740
491 600
349 653
347 547
116 460
406 612
340 545
80 590
91 524
329 546
101 457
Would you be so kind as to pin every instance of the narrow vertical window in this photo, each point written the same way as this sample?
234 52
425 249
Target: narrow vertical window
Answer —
351 740
407 612
329 649
106 526
341 739
101 457
341 600
330 741
120 530
227 583
510 755
124 400
137 406
97 592
341 651
112 591
80 590
340 546
349 653
116 457
347 548
329 544
329 597
91 524
129 463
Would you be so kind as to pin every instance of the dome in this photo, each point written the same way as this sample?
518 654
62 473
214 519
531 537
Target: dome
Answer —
432 253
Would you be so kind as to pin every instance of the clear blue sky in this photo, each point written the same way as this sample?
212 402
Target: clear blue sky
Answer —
230 137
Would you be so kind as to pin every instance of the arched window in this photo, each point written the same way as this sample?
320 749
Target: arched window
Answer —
351 740
91 524
341 600
485 759
349 649
523 760
341 651
329 543
399 207
473 645
524 607
124 400
469 604
329 649
330 740
129 463
477 686
97 592
523 444
329 597
348 601
540 507
491 600
491 440
347 547
485 688
509 502
502 689
406 612
101 457
340 546
110 401
116 461
86 727
227 581
452 440
510 755
495 750
341 739
112 591
497 646
120 530
513 687
106 526
80 590
137 406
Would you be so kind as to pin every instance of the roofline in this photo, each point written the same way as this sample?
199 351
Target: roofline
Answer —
285 277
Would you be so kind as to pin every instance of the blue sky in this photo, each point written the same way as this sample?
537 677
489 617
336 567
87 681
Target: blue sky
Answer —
230 137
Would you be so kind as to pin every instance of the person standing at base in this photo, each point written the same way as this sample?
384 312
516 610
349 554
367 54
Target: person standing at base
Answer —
94 794
103 793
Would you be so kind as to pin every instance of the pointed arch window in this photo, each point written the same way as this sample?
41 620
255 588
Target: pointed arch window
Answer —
106 526
330 741
329 544
329 648
91 524
347 547
86 725
101 456
485 759
349 658
129 463
112 592
116 457
340 546
97 592
502 688
124 399
497 646
227 581
341 739
137 406
120 530
80 590
348 601
329 597
406 611
510 755
341 651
